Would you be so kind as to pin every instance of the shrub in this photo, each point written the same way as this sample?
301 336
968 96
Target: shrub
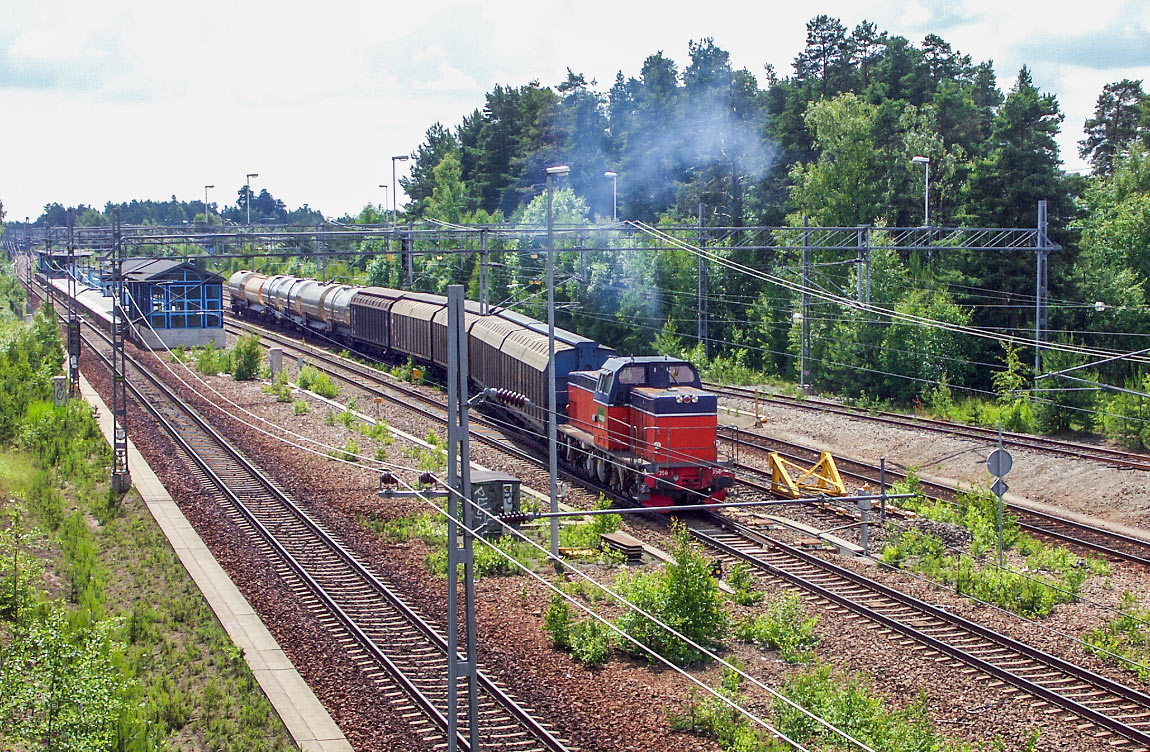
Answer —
586 534
682 595
208 361
300 407
1125 636
742 581
279 388
557 620
715 719
784 627
590 641
313 381
246 358
859 711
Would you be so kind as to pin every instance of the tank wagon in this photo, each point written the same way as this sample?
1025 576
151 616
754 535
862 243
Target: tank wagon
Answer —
638 448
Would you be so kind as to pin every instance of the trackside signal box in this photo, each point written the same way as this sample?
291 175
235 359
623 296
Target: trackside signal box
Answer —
498 494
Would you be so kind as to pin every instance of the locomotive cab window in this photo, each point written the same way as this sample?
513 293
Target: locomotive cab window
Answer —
681 373
633 376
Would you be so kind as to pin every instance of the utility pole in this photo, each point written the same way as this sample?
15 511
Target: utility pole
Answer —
552 401
459 484
859 262
701 294
121 480
1041 256
73 313
805 349
484 272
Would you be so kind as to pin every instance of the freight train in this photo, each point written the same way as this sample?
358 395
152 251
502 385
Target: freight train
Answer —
642 425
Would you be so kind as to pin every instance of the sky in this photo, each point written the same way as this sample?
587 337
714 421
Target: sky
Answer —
114 100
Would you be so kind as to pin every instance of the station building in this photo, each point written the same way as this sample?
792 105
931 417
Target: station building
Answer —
169 302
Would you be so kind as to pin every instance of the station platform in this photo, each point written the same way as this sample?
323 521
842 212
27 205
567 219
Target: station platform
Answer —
99 306
310 725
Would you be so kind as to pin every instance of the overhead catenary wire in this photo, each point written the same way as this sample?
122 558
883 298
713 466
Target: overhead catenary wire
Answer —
619 598
160 359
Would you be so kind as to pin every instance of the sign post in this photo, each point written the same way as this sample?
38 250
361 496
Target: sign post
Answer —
999 463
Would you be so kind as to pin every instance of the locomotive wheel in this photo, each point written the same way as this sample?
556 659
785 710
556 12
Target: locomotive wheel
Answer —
602 470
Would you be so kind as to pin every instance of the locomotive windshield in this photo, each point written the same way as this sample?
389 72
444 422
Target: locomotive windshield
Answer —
681 373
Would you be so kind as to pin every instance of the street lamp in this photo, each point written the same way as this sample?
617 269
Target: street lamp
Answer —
384 187
925 162
207 221
552 408
614 194
398 158
248 199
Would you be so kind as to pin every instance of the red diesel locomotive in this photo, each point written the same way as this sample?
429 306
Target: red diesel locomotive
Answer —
645 426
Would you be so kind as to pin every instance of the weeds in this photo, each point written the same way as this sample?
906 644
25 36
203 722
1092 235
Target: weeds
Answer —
742 581
682 594
1125 637
312 380
784 627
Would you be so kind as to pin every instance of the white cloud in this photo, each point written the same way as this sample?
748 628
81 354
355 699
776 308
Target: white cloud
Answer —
123 99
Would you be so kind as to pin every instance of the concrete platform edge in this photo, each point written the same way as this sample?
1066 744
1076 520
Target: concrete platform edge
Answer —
308 722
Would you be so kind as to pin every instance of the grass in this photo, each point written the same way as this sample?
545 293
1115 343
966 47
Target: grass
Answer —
1126 636
585 535
784 627
848 702
432 530
178 678
320 383
1055 575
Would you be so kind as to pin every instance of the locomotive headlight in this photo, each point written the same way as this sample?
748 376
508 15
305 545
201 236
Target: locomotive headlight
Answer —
679 399
658 445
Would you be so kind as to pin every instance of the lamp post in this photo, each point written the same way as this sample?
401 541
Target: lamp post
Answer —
248 200
925 162
207 214
397 158
552 408
614 194
384 187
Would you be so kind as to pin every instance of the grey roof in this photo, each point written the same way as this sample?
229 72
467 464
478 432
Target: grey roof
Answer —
146 269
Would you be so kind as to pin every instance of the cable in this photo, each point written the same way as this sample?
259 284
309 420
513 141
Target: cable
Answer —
609 591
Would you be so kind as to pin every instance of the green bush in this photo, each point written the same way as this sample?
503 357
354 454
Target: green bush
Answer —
784 627
557 620
1124 636
715 719
851 705
300 407
586 534
742 581
320 383
682 595
246 358
590 641
279 388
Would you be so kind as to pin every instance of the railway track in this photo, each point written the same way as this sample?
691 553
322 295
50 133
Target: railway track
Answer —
1106 708
1103 707
378 385
1108 543
1104 455
401 651
1111 544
